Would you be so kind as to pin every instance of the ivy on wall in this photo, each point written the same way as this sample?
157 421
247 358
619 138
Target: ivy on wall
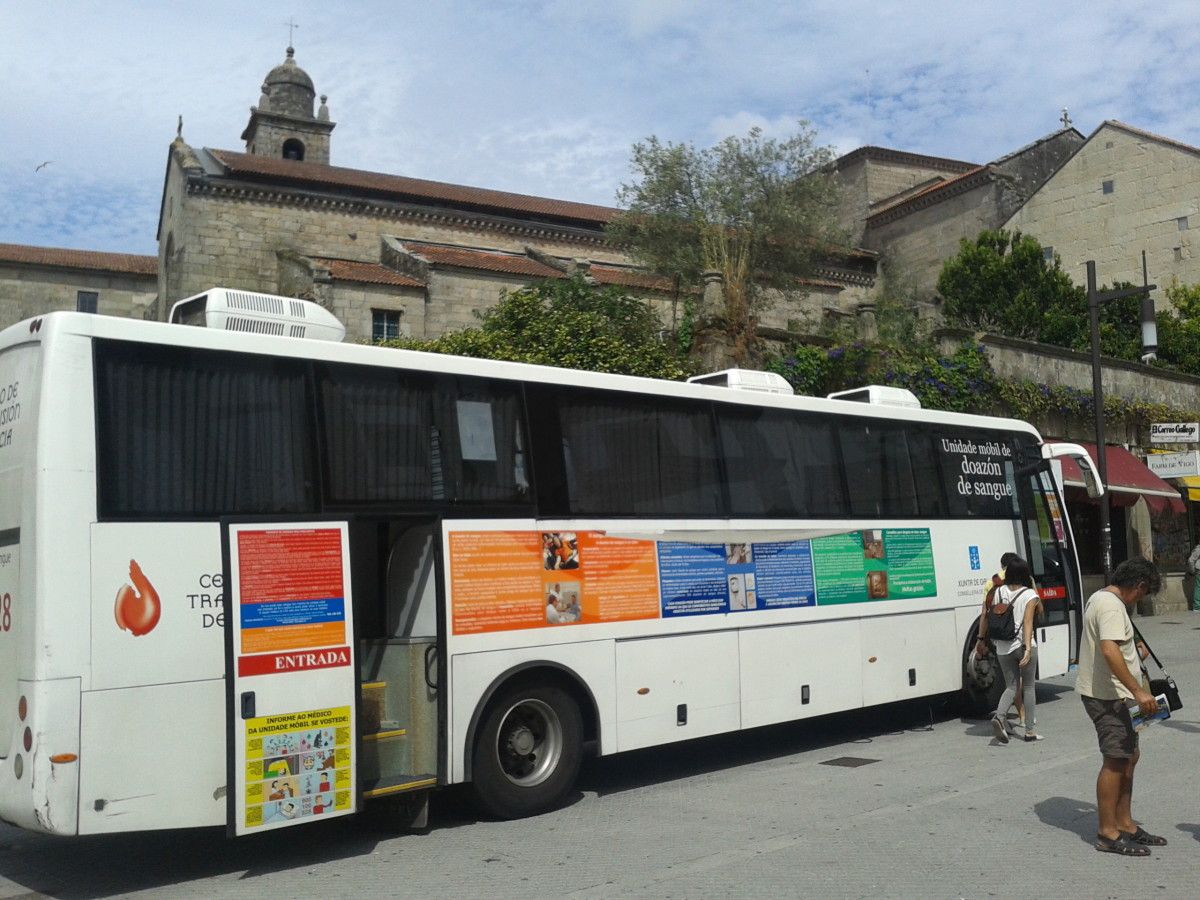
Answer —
961 382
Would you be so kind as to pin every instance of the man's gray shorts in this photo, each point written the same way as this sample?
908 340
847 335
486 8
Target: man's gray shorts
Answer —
1114 727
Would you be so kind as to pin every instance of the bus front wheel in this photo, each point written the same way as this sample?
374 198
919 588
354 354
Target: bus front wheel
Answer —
528 750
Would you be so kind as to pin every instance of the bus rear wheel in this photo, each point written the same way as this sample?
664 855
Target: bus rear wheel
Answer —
528 750
980 701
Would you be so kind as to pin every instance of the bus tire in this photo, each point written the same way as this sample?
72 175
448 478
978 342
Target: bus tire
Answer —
527 750
980 702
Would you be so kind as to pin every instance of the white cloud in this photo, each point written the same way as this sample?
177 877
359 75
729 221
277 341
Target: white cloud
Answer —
546 96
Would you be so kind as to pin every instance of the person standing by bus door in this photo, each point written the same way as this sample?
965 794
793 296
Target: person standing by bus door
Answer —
1109 677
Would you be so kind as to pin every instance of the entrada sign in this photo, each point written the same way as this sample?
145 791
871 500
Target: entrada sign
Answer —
1174 432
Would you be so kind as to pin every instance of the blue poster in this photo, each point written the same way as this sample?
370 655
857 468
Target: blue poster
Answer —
784 575
692 579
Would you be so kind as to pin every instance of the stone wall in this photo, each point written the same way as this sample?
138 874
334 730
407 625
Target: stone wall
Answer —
354 304
914 247
1155 184
27 291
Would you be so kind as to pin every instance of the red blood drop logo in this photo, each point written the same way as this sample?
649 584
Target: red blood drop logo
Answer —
137 608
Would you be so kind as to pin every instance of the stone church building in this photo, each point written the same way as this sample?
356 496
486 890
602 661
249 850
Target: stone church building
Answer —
388 254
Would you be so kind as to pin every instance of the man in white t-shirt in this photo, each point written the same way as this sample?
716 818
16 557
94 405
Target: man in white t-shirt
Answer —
1109 677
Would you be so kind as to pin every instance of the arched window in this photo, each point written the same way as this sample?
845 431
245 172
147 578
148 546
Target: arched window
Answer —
293 149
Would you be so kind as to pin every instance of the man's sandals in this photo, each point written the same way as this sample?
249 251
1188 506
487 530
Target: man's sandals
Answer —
1135 843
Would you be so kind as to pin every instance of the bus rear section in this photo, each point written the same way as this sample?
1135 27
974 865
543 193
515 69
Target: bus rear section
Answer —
39 715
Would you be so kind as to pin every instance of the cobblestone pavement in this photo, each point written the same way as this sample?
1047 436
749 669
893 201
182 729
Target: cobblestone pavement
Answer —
942 810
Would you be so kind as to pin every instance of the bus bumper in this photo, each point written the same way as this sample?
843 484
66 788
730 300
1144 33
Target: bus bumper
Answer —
39 784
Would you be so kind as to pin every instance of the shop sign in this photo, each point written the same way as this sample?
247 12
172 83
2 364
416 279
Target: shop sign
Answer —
1174 465
1174 432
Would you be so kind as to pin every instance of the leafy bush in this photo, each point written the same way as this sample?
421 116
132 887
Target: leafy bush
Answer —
568 323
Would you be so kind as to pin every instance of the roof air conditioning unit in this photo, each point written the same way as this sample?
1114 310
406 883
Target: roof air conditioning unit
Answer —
745 380
230 310
879 395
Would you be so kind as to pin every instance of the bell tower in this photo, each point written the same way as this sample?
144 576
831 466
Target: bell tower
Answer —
282 125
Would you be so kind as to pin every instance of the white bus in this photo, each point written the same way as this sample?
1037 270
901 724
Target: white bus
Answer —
257 581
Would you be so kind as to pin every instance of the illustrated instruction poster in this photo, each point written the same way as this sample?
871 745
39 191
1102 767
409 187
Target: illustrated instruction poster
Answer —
527 579
297 766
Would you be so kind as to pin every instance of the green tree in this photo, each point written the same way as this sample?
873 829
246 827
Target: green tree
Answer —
1002 282
568 323
758 210
1179 329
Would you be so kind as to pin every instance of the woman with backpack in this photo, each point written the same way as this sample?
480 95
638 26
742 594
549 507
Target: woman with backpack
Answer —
1010 611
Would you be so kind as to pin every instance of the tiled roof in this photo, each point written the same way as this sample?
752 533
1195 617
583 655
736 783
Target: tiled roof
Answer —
413 190
485 260
124 263
630 278
366 273
933 194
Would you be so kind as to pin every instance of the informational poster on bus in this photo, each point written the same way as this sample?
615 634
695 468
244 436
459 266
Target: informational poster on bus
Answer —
292 719
297 765
506 580
291 589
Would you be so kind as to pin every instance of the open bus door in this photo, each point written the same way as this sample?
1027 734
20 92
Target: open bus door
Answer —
396 565
291 677
1052 480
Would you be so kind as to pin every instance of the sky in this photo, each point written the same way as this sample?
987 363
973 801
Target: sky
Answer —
547 97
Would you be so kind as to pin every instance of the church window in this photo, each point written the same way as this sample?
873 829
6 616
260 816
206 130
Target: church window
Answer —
1107 187
1048 254
86 301
385 324
1182 222
293 149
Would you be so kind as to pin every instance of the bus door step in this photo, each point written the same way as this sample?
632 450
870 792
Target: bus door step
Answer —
397 784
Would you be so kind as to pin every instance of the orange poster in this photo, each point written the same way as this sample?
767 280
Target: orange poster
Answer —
505 580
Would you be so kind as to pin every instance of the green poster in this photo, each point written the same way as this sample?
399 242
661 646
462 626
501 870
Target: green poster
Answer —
873 564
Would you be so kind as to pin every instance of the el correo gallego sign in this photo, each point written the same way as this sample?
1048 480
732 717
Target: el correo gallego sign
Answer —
1174 432
1174 465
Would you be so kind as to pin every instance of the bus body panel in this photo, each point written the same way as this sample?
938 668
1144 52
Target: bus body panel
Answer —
675 688
153 757
156 614
778 663
1054 650
905 656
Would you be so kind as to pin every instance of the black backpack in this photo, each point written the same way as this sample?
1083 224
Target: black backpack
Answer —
1000 623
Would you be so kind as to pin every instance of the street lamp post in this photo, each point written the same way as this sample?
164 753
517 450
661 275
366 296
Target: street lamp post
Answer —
1096 299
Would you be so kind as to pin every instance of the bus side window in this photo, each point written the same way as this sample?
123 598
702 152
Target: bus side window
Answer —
878 464
195 433
780 463
628 455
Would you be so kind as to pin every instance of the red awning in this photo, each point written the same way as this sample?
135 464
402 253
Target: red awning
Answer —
1128 479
